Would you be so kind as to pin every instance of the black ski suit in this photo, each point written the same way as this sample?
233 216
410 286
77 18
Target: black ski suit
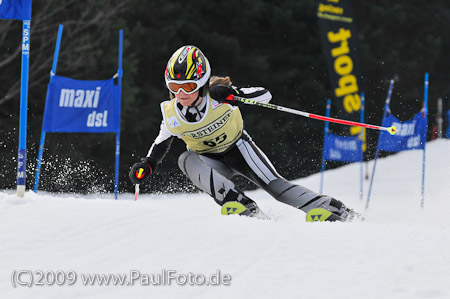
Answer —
211 172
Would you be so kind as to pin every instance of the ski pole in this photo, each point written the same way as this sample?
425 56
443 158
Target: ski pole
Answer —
136 191
391 130
139 175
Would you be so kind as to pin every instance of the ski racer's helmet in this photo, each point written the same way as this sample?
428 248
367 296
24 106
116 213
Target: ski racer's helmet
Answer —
188 69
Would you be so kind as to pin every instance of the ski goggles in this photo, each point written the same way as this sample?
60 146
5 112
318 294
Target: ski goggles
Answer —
188 87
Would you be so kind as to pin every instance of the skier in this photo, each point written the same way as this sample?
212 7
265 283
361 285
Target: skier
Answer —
202 113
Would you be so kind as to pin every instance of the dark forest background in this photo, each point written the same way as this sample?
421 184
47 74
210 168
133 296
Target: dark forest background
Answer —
267 43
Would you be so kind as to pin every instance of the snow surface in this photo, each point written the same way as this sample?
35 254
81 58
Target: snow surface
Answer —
400 251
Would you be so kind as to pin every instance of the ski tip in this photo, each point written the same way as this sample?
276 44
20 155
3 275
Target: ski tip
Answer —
392 130
318 215
233 207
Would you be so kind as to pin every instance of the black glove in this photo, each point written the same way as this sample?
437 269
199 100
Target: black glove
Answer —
141 171
224 94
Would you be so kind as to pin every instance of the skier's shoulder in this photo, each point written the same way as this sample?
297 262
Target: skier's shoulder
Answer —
168 103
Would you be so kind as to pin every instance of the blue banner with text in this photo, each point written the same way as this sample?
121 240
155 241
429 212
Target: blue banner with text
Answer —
343 148
82 106
410 134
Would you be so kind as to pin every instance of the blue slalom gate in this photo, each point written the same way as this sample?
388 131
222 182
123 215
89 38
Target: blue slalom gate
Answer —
411 135
342 148
81 106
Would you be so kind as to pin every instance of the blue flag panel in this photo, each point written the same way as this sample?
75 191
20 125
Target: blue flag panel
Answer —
82 106
410 134
15 9
343 148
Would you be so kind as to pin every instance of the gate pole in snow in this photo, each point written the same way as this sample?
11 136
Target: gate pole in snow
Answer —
386 108
117 151
362 149
425 104
41 144
22 151
322 169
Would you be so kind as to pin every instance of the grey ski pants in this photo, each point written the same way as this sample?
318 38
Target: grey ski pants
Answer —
212 174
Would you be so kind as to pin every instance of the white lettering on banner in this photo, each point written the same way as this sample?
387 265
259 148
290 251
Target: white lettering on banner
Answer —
406 129
336 155
79 98
20 175
413 141
346 145
97 119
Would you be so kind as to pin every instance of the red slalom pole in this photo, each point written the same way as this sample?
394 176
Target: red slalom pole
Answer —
392 130
136 191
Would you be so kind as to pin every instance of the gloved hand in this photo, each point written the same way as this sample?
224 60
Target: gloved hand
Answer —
141 171
224 94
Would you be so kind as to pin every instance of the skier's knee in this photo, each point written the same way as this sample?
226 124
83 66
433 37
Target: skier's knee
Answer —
182 160
207 178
